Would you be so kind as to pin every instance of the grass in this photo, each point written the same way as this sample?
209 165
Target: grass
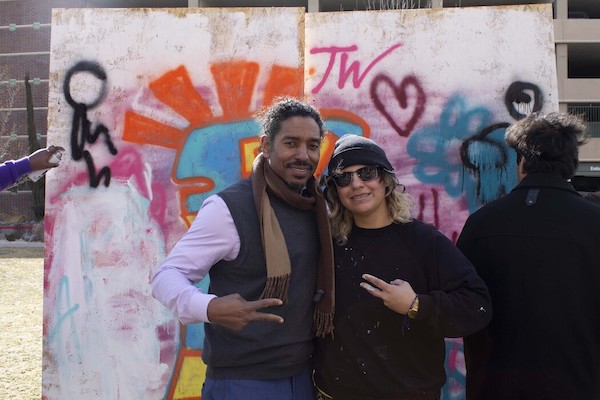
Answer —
21 297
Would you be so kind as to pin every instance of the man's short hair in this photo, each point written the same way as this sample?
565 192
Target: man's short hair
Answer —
548 143
284 108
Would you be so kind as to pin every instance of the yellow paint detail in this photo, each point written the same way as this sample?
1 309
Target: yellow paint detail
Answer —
191 378
249 148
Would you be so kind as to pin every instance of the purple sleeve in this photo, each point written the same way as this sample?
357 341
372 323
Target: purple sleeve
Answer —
12 170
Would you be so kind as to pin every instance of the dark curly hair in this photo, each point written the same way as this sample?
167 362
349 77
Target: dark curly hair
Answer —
548 143
284 108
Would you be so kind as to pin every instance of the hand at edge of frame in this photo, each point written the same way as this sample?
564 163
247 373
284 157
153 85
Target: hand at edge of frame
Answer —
40 159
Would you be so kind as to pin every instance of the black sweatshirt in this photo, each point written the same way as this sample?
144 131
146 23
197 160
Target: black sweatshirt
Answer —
376 353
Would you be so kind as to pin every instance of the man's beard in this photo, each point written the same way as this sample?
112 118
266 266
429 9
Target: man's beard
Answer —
296 187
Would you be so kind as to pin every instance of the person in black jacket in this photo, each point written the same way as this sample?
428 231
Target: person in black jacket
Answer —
538 250
401 287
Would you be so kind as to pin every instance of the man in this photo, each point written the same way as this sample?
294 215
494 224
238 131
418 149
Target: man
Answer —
11 171
538 250
267 244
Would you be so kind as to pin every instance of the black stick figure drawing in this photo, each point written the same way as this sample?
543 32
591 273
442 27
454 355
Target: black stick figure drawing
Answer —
81 133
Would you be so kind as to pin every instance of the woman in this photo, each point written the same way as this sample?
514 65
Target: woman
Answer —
401 286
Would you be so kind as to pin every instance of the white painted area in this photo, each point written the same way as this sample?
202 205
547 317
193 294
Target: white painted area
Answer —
102 339
473 52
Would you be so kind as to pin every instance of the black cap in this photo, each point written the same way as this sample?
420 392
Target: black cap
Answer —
353 149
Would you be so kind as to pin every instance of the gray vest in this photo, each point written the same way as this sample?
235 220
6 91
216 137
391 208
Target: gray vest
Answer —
264 350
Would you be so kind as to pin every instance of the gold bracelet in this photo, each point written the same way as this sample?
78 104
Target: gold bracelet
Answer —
413 310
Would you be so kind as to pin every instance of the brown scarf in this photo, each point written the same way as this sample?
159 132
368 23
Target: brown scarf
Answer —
277 258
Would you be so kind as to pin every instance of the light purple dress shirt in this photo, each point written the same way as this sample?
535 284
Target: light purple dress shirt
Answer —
211 238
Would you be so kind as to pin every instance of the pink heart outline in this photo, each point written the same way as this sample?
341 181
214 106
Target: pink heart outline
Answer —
401 96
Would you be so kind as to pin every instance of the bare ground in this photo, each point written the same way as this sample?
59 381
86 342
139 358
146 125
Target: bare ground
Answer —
21 296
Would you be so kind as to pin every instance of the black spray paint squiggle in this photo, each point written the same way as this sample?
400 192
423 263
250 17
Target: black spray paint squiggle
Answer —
81 127
520 96
523 94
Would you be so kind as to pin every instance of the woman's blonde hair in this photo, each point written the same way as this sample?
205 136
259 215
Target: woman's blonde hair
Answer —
399 205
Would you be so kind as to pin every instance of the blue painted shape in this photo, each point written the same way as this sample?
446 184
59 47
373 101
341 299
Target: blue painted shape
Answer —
341 128
213 152
455 386
436 147
64 312
496 176
437 151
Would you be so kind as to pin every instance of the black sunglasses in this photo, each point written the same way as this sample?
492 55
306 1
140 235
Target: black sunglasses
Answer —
365 174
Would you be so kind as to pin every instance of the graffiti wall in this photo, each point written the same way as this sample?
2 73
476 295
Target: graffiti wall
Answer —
437 88
155 110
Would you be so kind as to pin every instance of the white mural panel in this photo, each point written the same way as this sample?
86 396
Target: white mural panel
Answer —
437 88
155 110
